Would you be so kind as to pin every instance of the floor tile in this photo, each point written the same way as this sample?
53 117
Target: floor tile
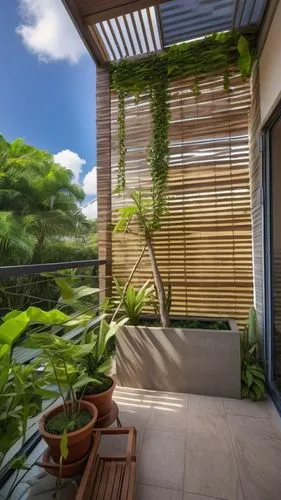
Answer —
211 468
136 416
162 458
192 496
146 492
205 404
168 418
116 445
245 407
258 450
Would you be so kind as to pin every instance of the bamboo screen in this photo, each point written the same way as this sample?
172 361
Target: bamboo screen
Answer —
204 248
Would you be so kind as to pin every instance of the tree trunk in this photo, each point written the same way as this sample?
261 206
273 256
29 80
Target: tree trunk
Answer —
164 315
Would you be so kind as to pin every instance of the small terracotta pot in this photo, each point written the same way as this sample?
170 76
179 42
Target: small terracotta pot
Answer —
79 442
66 470
102 400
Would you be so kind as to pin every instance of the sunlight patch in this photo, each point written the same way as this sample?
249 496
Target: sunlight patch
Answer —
48 32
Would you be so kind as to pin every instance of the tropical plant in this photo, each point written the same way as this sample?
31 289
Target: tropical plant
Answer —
62 361
22 388
134 300
38 200
15 323
252 374
97 363
142 211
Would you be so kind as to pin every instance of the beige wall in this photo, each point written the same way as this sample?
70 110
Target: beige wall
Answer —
270 68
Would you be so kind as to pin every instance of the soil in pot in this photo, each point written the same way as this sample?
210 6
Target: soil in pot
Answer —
59 422
79 438
101 395
202 324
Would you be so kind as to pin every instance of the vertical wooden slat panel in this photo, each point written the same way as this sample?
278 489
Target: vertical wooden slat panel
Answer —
204 248
104 179
256 195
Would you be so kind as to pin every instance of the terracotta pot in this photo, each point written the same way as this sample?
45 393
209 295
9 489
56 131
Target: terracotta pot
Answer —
102 400
79 442
67 470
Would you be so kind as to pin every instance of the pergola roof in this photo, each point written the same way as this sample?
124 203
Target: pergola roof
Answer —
115 29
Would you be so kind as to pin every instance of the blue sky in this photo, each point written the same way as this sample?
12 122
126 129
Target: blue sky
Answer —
47 85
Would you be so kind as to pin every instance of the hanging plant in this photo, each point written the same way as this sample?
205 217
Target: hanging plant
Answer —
211 55
158 151
121 179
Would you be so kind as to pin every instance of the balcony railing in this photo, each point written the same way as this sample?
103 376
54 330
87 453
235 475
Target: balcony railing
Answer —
10 283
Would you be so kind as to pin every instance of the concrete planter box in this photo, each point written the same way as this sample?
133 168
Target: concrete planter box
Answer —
190 360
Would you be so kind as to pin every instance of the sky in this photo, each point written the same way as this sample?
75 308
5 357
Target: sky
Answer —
47 87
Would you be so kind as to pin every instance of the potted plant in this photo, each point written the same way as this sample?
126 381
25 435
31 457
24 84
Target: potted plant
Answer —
97 365
200 355
75 417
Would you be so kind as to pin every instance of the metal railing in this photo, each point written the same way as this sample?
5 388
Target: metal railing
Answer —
11 279
27 270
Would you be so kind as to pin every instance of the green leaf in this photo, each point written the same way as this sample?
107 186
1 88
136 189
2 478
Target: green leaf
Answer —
243 46
258 383
64 445
105 366
258 373
65 289
249 378
47 394
84 380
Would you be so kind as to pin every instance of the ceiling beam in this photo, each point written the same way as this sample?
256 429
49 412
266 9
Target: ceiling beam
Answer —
90 43
97 12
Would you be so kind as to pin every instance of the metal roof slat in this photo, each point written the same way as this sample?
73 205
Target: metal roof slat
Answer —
136 32
114 52
122 36
151 29
129 35
117 43
144 31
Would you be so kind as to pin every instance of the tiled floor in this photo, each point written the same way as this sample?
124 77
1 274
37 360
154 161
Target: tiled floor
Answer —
199 448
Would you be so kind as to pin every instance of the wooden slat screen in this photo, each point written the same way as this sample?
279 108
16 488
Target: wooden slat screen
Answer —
204 248
256 197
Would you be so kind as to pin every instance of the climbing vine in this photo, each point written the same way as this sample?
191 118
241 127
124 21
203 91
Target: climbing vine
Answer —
215 54
158 151
121 180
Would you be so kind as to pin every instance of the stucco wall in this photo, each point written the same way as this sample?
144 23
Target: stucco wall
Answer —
270 68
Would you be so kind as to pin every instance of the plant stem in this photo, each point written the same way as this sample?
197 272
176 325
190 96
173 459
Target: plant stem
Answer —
72 392
58 384
128 282
164 316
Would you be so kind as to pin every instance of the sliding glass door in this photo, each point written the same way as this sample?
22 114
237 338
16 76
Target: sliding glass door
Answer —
272 243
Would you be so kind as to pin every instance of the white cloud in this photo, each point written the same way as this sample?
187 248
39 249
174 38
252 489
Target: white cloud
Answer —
91 210
48 31
90 182
69 159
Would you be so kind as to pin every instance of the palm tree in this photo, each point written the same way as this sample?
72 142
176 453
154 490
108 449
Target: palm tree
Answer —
38 200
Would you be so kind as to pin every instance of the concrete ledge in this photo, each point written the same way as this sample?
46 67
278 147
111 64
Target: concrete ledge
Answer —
180 360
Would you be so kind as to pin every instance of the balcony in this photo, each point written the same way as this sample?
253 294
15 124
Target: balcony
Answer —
188 167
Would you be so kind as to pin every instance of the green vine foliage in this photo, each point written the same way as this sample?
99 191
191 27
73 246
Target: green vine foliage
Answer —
121 181
215 54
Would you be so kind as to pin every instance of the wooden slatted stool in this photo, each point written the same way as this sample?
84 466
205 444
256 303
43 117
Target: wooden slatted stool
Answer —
112 477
